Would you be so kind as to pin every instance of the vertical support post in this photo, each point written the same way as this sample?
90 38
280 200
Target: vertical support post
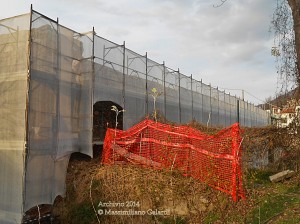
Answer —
165 94
238 111
93 82
93 50
210 105
243 94
225 104
147 110
230 111
270 115
58 89
247 120
103 61
201 92
241 104
244 107
256 115
179 87
123 86
192 96
27 121
218 105
251 122
127 65
28 82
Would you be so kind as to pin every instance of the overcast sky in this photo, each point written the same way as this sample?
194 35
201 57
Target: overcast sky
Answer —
229 46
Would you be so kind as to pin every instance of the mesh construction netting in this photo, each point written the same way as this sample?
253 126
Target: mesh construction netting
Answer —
212 159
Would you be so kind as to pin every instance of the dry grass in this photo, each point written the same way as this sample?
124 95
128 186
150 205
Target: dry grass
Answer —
186 199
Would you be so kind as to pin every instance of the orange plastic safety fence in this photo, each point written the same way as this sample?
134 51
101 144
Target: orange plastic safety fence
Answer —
212 159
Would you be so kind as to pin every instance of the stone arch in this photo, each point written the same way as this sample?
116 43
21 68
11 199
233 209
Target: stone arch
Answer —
103 118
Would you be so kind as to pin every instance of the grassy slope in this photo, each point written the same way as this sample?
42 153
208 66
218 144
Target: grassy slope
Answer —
189 200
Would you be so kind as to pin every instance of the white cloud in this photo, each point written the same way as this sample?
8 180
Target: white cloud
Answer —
227 46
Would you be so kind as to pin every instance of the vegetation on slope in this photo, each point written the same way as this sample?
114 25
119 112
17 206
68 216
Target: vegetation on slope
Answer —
169 197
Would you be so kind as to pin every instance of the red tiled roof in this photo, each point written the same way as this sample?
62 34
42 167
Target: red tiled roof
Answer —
289 110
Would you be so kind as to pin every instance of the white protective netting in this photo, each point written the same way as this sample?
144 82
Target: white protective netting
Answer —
14 33
47 104
59 109
60 99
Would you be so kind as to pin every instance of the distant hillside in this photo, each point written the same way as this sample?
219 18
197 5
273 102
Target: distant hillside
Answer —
282 99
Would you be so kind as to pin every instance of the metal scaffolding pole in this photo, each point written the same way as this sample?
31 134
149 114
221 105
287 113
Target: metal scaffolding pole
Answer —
224 109
58 89
238 111
123 86
230 111
192 96
210 104
218 106
165 94
179 87
202 119
27 136
147 107
93 82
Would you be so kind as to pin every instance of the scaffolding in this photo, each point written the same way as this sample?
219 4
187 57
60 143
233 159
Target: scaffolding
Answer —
50 78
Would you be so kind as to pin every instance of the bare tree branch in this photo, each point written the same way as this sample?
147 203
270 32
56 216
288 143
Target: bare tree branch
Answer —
221 3
284 48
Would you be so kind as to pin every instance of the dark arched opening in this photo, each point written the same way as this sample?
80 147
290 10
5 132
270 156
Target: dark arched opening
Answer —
103 118
42 213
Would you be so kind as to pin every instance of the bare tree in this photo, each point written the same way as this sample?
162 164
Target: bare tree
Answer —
286 27
295 7
284 45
